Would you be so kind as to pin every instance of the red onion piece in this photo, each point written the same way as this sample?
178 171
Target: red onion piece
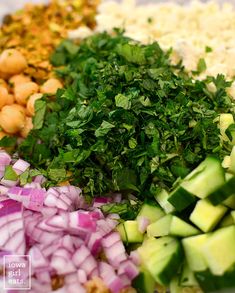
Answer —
20 166
143 223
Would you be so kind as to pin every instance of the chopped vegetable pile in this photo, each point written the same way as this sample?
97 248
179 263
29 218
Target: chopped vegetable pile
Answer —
148 138
127 119
63 235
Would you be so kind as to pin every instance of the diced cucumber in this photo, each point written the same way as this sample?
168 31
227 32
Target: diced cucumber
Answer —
225 120
230 202
223 192
232 161
181 228
187 278
162 257
211 283
181 198
201 182
205 179
144 282
206 216
151 212
160 227
129 232
192 248
227 221
171 225
218 250
162 199
233 216
226 163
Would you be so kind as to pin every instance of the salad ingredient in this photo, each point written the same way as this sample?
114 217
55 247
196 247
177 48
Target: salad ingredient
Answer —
144 283
30 103
196 183
130 232
223 192
125 120
224 237
36 30
21 92
3 96
161 257
206 216
186 28
12 62
62 233
19 79
10 99
24 91
209 256
171 225
27 127
12 119
51 86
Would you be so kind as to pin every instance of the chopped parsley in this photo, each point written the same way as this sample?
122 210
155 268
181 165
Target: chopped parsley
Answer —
126 120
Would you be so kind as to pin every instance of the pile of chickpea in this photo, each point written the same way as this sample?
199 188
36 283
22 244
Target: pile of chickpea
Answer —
18 94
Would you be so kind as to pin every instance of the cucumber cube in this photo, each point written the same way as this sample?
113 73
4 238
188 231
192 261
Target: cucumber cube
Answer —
129 232
218 250
206 216
192 248
181 228
160 227
162 257
151 212
205 179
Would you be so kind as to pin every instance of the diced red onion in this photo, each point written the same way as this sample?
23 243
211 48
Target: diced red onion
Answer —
39 179
61 262
82 277
135 257
5 159
143 223
100 201
8 183
20 166
62 234
129 269
110 278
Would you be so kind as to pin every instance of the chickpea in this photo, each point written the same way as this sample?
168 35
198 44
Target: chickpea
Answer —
24 90
10 100
19 79
3 83
31 102
28 126
12 120
12 62
3 96
51 86
20 108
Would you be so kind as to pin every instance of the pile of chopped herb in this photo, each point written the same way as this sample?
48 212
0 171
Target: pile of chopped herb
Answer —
126 120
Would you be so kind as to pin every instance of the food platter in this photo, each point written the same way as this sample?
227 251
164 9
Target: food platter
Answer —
117 146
